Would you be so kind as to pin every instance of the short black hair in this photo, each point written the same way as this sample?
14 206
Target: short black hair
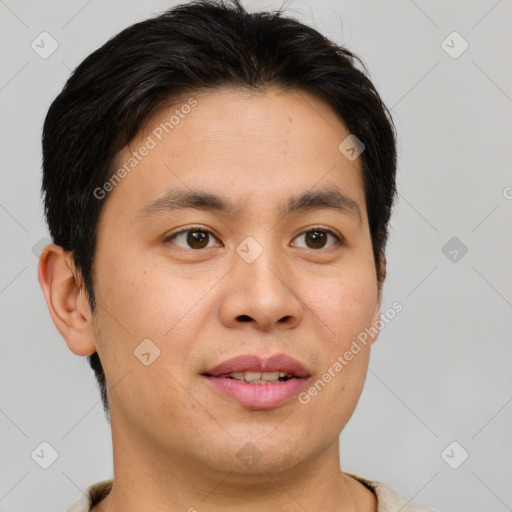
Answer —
205 44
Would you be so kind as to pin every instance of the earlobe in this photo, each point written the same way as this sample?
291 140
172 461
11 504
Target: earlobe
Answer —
66 300
382 271
376 322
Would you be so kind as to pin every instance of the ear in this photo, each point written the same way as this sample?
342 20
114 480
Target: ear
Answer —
381 271
381 276
66 299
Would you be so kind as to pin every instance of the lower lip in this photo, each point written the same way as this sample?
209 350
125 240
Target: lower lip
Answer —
260 396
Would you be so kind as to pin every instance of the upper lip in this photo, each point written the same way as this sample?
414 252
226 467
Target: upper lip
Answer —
255 363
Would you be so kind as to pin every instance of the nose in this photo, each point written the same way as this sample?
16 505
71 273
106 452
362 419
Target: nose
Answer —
261 293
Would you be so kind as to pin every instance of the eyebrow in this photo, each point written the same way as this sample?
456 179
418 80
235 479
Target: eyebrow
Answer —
176 199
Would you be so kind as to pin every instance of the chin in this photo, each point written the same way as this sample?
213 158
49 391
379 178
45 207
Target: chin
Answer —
254 451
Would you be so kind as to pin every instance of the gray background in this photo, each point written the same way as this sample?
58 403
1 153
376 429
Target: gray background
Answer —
440 371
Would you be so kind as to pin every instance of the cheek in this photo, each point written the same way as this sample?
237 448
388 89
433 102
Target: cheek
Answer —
346 303
344 308
148 325
141 297
137 302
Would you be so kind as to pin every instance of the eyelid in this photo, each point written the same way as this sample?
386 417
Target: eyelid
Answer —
167 238
339 238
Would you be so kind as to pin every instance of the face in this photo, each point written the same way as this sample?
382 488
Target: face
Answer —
241 230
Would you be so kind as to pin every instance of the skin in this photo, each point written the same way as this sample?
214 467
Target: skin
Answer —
175 439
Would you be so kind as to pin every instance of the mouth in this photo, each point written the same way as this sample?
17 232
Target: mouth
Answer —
253 363
257 377
258 383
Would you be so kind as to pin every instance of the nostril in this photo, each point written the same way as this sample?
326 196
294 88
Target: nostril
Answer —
285 319
244 318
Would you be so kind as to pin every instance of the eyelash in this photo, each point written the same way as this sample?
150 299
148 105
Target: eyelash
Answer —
337 237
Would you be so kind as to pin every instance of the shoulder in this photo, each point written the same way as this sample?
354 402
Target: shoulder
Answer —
91 496
388 500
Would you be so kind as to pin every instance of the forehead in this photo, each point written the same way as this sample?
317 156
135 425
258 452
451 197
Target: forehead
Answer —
240 144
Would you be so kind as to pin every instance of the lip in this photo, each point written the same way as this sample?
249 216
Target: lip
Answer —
259 396
255 363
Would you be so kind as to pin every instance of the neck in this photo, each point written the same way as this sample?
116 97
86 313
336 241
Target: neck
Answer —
146 478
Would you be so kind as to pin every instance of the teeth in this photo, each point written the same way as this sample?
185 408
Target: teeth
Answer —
250 376
270 375
256 377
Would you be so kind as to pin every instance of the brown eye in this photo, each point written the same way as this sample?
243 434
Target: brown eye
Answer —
317 238
191 239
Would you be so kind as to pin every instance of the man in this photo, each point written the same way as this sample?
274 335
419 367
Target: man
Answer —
218 186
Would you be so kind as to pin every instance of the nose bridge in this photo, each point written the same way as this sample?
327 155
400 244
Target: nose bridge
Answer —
262 264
